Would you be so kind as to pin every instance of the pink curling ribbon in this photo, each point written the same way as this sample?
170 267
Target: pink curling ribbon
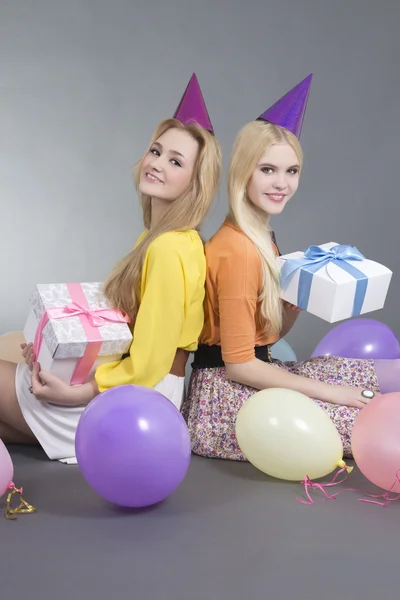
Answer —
91 319
386 496
311 485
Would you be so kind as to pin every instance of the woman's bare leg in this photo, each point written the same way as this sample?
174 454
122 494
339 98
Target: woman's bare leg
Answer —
9 435
11 419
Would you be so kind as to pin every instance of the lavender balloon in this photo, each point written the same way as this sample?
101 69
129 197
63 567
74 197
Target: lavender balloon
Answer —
359 338
133 446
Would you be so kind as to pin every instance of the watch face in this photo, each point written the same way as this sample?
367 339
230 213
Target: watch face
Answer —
367 394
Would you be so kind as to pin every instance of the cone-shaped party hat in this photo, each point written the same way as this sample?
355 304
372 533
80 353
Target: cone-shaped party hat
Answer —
289 111
192 108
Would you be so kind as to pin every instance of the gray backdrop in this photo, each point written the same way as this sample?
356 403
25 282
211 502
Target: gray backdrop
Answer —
84 82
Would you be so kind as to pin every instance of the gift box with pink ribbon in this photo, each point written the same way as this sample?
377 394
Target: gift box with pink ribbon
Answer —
74 330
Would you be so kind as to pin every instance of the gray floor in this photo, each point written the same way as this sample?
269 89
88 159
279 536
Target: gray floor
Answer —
227 533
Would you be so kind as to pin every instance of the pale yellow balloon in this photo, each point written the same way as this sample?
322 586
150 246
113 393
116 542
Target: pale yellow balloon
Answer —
287 435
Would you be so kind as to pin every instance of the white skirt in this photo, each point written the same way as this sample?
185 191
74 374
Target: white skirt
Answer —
55 426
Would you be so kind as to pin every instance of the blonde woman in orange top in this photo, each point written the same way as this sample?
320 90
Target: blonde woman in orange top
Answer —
244 314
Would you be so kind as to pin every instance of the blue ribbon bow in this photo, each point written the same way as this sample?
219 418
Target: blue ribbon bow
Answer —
313 260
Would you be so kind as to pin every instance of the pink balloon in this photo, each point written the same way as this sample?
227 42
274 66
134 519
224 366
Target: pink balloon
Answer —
6 469
375 440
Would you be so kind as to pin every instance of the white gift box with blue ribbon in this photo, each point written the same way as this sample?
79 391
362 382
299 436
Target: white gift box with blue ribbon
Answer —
333 281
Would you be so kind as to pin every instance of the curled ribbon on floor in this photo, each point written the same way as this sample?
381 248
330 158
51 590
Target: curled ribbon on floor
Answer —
311 485
386 496
23 507
375 498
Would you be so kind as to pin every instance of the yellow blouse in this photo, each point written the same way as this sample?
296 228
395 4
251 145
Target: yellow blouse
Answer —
170 315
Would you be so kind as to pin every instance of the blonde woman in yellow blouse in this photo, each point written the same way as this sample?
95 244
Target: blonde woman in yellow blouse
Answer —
160 285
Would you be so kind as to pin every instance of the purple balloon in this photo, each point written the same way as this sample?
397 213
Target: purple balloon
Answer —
132 446
359 338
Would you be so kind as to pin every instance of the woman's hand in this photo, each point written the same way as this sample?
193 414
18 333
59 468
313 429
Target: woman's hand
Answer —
288 306
28 354
346 395
50 388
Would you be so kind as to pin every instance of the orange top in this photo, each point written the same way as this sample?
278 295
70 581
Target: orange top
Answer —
233 281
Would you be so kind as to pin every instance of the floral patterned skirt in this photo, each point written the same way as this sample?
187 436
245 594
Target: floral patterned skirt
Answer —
213 402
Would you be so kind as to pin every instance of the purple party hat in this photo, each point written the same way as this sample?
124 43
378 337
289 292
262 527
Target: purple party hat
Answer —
288 112
192 108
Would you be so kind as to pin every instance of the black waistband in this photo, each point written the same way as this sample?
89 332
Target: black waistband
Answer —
210 357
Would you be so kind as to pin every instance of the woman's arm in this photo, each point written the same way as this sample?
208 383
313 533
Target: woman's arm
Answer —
261 375
50 388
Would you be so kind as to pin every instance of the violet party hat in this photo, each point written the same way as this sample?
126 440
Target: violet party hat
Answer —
289 111
192 108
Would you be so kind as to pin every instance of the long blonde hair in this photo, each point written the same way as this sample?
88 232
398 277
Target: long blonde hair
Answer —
252 142
186 212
